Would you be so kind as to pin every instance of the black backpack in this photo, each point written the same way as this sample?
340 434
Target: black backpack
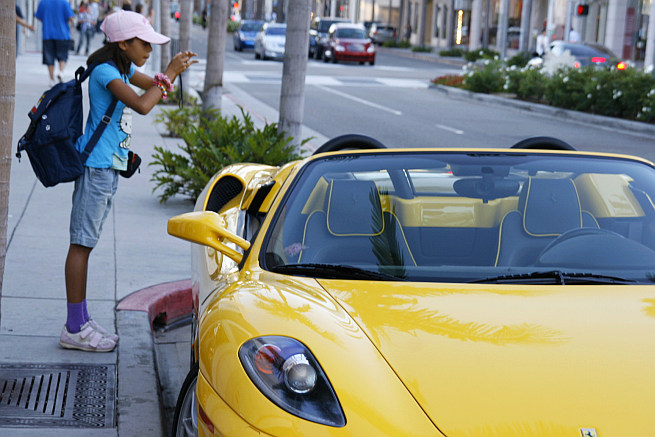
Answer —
56 124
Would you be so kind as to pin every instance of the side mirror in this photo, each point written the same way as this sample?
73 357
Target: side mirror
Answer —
207 228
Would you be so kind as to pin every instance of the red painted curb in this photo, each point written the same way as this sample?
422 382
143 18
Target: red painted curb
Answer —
167 301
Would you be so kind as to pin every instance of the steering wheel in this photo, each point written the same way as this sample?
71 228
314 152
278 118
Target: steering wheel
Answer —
544 143
350 141
577 232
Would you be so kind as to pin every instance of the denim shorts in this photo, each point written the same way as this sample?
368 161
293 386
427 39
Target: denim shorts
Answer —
55 49
92 199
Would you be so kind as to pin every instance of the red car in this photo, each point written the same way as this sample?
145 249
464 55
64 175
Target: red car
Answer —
349 42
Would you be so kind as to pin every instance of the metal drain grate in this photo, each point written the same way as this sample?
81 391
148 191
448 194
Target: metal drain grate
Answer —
52 395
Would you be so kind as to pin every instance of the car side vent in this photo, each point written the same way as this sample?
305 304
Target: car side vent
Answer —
226 189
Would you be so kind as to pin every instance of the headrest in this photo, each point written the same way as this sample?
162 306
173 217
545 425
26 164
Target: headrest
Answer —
550 207
354 208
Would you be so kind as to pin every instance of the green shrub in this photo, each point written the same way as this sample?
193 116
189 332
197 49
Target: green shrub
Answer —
452 53
395 44
175 120
568 89
519 60
487 78
232 26
423 49
627 94
527 83
481 54
211 144
647 110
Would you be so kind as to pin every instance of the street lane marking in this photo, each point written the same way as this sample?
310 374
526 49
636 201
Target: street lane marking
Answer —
450 129
357 99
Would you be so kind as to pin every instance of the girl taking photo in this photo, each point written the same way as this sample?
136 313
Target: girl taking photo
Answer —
130 37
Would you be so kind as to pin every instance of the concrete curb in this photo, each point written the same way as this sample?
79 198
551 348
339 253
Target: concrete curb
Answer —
138 402
583 117
165 302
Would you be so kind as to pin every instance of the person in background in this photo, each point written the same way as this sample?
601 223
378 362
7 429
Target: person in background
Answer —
20 21
542 43
574 36
87 27
57 17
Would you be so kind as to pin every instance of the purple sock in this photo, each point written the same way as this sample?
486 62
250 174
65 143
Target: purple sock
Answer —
86 312
75 318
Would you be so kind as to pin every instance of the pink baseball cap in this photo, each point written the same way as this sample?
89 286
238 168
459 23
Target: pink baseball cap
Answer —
124 25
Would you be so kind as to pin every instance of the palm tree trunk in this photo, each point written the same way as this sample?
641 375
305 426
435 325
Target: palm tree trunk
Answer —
213 88
186 9
292 97
165 28
7 95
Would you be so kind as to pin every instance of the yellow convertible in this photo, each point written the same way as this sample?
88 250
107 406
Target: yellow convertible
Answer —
366 291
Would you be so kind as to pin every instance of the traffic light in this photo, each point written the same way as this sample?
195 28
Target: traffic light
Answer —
582 10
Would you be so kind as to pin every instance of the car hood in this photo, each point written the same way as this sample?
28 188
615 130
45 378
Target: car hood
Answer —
275 39
352 41
513 360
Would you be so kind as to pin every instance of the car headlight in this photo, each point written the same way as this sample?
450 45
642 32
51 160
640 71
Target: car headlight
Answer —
370 49
287 373
339 48
242 37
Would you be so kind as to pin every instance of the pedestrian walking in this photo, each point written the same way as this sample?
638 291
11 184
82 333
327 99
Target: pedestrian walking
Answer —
57 17
20 21
86 27
541 46
129 36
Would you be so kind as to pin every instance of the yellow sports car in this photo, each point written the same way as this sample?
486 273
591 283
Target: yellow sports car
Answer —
366 291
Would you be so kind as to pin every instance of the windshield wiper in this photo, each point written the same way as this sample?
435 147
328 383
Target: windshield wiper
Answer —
333 271
555 277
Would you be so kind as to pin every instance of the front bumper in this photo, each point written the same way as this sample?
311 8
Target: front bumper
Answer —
354 56
226 421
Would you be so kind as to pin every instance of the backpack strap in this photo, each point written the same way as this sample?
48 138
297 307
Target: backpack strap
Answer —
81 76
104 121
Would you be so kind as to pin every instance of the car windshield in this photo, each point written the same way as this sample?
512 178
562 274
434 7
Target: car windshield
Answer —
251 27
466 217
324 25
350 33
277 30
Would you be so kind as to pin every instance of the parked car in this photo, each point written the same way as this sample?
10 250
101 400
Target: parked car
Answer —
318 34
269 42
368 23
365 291
244 36
349 42
578 55
381 33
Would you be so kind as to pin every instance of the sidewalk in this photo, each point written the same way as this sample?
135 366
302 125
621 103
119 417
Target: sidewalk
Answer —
136 273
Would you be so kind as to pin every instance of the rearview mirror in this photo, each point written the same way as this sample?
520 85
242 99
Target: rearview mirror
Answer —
207 228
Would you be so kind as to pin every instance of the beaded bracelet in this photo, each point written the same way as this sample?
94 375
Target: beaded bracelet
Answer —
161 87
163 79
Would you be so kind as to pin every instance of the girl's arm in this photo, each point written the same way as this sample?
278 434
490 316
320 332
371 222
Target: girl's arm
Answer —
144 103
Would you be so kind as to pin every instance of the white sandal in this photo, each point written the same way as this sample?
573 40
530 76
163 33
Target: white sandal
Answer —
88 339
